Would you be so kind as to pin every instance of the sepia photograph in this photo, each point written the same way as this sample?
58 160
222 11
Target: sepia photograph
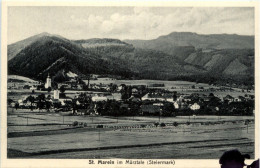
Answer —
131 82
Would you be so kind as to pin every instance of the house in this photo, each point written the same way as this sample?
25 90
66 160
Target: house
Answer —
125 106
78 103
65 85
187 98
195 106
12 104
228 98
119 88
116 96
33 88
15 85
107 88
26 87
158 97
150 109
28 104
242 98
183 105
134 91
156 85
98 98
158 104
74 85
134 99
176 105
65 100
56 94
205 98
237 99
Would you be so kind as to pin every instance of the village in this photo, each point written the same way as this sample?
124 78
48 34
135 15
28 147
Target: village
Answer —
77 97
109 115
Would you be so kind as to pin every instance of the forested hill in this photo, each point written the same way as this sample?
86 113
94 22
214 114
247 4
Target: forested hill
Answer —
177 56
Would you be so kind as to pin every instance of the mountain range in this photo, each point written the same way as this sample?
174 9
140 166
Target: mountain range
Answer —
177 56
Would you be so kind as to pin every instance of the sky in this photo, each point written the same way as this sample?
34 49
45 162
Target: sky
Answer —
126 22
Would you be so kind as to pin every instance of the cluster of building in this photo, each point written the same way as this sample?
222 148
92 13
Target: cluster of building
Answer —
146 100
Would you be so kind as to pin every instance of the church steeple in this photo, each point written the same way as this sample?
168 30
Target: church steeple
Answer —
48 81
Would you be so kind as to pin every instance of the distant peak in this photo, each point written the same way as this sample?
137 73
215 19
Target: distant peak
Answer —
182 33
178 34
44 33
102 41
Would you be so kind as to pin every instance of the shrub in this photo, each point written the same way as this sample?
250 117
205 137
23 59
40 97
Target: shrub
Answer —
188 123
99 126
156 124
175 124
85 125
143 125
162 125
75 123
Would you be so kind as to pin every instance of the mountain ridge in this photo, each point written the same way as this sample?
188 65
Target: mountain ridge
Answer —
162 59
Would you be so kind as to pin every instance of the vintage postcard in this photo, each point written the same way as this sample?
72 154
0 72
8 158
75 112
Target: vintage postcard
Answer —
129 84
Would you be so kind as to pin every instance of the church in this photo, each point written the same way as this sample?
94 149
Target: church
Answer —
48 82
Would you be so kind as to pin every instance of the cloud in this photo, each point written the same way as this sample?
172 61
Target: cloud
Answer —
130 23
145 24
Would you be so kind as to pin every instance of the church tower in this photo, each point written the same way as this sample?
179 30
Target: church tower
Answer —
56 94
48 82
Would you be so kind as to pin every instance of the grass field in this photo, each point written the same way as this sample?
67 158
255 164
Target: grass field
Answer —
50 135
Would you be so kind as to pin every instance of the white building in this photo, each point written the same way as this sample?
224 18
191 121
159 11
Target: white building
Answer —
48 82
99 98
64 100
195 106
176 105
56 94
33 88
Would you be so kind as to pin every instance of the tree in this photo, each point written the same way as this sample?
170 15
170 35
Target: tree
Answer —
49 89
88 81
162 124
175 124
74 105
10 101
41 101
62 89
48 105
211 95
174 96
59 77
85 100
49 97
168 109
156 124
16 106
56 104
32 100
75 123
113 87
126 92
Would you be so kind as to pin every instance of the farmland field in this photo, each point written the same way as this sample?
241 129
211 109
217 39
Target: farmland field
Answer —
41 134
183 87
51 135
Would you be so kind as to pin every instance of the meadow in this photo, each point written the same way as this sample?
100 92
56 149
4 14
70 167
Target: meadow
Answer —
51 135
